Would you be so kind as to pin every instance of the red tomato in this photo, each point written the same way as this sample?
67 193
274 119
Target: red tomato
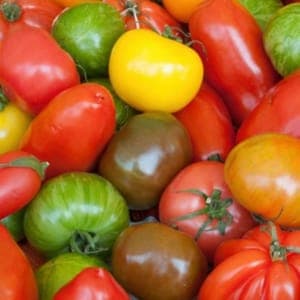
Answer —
262 265
34 68
17 280
278 111
146 14
197 201
21 175
73 129
209 125
92 283
229 41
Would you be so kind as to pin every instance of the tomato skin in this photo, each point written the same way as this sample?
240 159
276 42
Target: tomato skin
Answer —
245 269
280 106
88 104
28 63
223 39
19 184
209 124
204 176
92 283
263 175
17 277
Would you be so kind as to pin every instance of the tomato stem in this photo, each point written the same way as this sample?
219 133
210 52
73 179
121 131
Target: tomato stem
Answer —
3 100
11 11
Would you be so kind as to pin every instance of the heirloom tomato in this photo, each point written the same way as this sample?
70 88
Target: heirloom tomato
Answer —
198 202
263 264
73 129
209 125
21 176
88 31
155 261
154 73
278 110
263 175
78 212
58 271
92 283
34 68
234 59
14 224
17 280
144 155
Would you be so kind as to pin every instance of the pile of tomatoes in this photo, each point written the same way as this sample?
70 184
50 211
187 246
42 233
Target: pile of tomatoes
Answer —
149 149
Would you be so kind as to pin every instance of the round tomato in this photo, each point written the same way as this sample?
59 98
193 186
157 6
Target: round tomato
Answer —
197 201
166 77
264 264
14 224
85 209
263 175
68 3
154 261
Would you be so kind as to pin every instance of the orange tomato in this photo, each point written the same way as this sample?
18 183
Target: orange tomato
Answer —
67 3
181 10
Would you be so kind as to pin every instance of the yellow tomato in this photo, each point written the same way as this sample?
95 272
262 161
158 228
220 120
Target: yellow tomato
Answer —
154 73
181 9
13 123
68 3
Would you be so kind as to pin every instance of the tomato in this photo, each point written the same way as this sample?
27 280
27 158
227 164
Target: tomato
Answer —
78 123
280 107
14 224
58 271
92 283
264 264
33 68
143 157
68 3
37 13
197 201
88 31
21 176
283 51
17 277
155 261
181 9
85 209
263 175
13 124
165 78
234 59
209 124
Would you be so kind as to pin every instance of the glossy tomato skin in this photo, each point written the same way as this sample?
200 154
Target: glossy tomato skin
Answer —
17 277
33 68
154 261
234 59
247 268
144 155
262 173
19 181
178 201
92 283
78 123
278 111
209 124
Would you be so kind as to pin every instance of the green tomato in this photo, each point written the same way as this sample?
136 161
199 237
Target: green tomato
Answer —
144 155
77 211
59 270
123 110
88 32
262 11
282 39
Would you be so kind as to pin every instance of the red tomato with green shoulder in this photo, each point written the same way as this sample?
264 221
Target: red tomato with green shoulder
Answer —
21 176
17 279
263 264
34 68
198 202
92 283
234 59
71 132
209 125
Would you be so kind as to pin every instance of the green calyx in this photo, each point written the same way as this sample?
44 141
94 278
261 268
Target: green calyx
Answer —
11 11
